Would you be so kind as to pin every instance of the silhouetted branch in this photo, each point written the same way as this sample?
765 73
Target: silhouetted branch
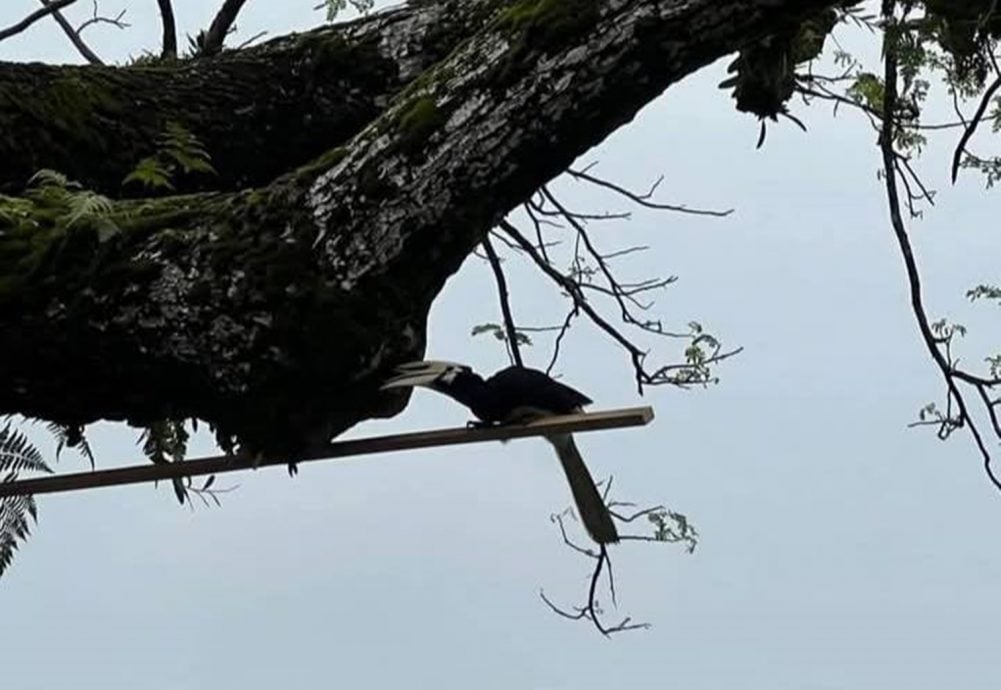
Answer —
259 35
212 40
96 18
53 6
949 421
73 34
694 371
643 199
505 303
206 492
971 127
591 611
812 87
571 315
573 290
538 223
679 531
168 50
615 289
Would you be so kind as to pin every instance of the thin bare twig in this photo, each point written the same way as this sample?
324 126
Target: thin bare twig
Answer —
621 292
679 375
643 199
571 315
206 492
592 610
505 303
117 21
256 37
73 34
573 290
604 215
680 531
537 222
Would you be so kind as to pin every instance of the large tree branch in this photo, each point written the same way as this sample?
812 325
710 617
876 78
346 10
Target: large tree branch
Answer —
273 312
258 111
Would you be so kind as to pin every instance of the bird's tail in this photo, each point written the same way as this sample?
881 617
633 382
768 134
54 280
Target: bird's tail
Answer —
591 506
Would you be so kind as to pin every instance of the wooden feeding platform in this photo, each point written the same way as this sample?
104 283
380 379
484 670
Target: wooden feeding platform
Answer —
135 474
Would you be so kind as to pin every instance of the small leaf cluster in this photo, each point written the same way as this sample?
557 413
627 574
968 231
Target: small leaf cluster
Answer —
500 333
167 441
700 354
71 436
673 527
178 151
52 197
335 7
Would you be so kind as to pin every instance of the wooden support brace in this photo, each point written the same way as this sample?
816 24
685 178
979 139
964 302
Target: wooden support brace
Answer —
589 421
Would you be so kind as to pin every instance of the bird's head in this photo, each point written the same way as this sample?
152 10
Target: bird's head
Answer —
430 374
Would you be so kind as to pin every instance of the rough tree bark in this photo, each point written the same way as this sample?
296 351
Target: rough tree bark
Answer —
359 165
260 111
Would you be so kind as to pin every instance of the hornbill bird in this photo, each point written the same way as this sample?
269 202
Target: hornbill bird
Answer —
518 395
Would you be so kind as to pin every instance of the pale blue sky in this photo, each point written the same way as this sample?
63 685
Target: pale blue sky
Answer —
839 549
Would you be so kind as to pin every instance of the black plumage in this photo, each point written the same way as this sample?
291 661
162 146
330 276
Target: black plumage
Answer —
519 395
512 394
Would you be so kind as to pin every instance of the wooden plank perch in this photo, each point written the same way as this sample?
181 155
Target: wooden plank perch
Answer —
590 421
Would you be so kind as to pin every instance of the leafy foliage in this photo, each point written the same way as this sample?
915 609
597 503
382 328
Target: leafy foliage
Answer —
670 526
167 441
17 513
71 436
178 151
17 454
988 292
68 203
764 74
500 333
15 526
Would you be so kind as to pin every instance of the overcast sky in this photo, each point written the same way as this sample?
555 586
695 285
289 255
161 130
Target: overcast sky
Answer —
839 549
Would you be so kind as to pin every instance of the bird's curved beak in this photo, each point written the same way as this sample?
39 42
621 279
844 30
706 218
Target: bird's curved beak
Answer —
417 374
